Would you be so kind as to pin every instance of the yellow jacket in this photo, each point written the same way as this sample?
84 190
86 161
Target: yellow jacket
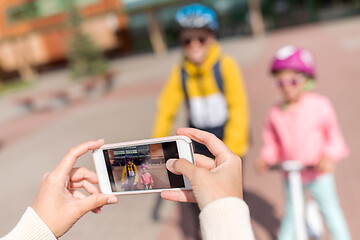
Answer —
207 109
126 172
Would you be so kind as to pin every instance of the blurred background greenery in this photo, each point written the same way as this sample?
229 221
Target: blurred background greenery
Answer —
234 15
35 34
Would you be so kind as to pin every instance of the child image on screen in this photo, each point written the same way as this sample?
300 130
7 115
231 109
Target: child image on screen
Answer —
146 178
130 176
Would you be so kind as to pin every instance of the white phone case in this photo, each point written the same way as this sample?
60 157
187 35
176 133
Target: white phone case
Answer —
184 148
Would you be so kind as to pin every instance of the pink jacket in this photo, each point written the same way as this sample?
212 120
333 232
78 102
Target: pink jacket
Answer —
146 178
306 134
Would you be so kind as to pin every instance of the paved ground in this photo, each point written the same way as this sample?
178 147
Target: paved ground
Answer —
33 144
158 173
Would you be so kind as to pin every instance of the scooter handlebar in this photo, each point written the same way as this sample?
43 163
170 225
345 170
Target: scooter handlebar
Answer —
291 166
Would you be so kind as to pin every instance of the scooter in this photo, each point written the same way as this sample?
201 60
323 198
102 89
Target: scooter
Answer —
307 223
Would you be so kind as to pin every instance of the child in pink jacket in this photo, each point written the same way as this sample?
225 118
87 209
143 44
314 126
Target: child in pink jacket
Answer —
146 178
303 127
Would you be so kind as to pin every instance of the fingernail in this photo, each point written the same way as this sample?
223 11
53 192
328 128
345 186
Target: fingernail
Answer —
112 200
170 162
100 140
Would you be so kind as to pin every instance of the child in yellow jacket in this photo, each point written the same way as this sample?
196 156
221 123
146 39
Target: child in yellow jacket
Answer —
209 82
130 176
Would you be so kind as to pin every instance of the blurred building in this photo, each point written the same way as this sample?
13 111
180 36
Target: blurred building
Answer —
34 33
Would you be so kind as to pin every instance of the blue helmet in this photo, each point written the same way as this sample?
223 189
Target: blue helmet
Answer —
197 16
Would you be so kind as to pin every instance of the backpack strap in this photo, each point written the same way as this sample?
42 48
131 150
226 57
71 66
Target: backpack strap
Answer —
217 75
183 83
128 169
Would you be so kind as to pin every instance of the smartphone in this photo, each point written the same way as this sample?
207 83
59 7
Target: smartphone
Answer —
139 166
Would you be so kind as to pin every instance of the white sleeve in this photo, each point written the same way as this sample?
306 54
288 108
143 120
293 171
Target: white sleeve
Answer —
30 227
226 218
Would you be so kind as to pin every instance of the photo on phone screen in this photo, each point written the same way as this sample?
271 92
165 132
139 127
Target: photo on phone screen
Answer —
142 167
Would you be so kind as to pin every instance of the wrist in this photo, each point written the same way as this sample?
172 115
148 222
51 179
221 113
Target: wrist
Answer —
220 195
221 202
48 222
31 226
216 218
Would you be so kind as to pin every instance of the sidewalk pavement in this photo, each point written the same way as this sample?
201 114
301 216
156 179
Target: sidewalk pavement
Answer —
39 141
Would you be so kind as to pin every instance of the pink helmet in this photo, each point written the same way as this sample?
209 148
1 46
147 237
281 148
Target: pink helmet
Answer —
144 166
294 58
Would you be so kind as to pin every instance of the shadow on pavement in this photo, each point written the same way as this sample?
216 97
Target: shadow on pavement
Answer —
189 221
263 213
189 218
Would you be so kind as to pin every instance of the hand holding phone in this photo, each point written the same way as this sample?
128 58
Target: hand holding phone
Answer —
139 166
59 203
211 179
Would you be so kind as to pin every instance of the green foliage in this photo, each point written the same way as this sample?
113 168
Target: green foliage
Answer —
14 86
85 57
22 12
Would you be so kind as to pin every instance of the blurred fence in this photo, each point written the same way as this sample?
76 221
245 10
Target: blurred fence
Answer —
234 17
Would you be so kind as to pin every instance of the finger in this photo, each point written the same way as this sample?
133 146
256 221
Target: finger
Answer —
204 162
87 186
97 210
178 195
95 201
320 166
82 173
181 166
262 170
79 195
261 166
215 145
328 167
69 160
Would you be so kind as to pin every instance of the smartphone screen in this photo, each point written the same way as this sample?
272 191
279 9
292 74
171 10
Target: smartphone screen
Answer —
142 167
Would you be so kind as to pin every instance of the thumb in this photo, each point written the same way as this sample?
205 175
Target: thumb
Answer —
95 201
181 166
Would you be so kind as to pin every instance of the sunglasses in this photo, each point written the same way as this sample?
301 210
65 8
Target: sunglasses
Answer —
281 83
186 41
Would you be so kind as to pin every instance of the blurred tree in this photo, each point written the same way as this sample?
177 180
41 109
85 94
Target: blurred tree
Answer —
22 55
312 6
85 57
256 18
